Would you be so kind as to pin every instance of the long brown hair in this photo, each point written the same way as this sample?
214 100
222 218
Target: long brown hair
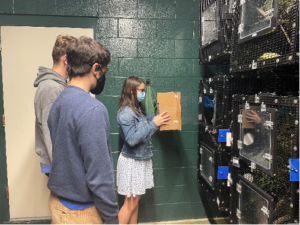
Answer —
129 89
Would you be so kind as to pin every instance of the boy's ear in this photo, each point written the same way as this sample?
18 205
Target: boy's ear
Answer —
64 59
94 68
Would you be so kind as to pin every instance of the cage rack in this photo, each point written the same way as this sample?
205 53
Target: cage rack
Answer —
213 167
217 109
266 197
265 34
215 28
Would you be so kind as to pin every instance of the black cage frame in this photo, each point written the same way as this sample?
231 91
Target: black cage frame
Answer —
218 50
268 49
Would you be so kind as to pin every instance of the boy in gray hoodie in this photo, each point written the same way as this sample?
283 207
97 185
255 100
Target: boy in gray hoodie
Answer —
50 83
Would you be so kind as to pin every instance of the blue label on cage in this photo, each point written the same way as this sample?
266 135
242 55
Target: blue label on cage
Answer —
294 170
223 172
208 102
222 135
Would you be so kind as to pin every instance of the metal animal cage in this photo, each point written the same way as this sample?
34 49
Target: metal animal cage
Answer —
265 34
213 161
214 122
215 31
261 189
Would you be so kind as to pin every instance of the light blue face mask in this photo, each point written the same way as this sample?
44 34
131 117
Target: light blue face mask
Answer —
141 96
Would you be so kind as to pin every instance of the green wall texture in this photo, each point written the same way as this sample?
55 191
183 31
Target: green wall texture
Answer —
156 40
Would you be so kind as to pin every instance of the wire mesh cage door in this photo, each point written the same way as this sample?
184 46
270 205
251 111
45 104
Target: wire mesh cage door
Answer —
285 193
211 102
257 17
215 186
255 206
265 34
257 138
215 31
207 165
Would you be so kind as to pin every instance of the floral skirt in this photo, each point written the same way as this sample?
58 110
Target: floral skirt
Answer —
134 176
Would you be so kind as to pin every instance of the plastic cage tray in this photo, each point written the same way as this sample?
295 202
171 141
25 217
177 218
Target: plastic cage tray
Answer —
265 34
275 181
211 161
215 31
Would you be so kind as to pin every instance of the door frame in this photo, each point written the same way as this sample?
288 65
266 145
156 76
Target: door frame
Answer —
32 21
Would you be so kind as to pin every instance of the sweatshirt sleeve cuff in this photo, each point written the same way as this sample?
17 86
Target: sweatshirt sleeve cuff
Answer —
113 221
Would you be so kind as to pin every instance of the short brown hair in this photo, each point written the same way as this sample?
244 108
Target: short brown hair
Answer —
60 47
83 53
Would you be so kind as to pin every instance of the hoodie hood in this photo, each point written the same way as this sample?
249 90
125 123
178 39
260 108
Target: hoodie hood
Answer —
49 74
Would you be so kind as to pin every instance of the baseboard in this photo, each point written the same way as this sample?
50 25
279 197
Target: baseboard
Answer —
206 221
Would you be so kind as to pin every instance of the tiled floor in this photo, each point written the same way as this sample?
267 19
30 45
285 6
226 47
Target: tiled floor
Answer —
223 220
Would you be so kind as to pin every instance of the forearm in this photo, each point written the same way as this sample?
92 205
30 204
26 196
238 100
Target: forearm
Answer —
139 135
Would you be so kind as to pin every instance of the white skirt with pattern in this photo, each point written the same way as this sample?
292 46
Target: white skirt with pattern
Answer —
134 176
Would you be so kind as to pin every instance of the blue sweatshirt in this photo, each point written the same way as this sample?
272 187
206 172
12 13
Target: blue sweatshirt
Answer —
82 167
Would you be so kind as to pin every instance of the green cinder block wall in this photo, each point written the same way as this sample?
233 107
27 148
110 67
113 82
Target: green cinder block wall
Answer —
156 40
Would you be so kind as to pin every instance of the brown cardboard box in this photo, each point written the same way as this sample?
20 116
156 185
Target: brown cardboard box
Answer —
170 101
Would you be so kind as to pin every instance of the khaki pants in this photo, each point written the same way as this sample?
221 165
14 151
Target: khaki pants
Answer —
63 215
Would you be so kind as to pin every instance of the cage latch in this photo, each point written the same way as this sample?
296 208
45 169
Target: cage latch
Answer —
229 180
239 188
201 150
241 28
204 91
265 211
240 118
268 125
239 144
200 167
211 90
238 214
252 166
235 162
269 13
200 117
210 159
200 99
256 98
268 157
263 107
247 106
254 65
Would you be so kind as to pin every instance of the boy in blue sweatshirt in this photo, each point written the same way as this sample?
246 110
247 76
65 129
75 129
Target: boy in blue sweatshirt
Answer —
82 177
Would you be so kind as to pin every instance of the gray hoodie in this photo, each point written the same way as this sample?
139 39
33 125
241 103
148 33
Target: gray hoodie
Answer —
49 85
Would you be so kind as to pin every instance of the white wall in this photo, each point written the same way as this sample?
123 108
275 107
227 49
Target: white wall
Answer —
24 49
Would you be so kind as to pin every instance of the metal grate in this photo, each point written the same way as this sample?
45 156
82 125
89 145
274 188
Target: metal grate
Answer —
265 34
215 31
279 187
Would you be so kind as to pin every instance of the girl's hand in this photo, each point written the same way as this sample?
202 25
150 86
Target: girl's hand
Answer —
162 119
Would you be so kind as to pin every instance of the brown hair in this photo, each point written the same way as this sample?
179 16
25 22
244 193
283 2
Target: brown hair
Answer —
60 47
83 53
129 89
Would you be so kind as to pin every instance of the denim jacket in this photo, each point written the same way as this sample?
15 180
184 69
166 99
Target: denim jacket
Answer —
137 132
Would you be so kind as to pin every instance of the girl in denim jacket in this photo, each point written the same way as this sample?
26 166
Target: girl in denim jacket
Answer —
134 169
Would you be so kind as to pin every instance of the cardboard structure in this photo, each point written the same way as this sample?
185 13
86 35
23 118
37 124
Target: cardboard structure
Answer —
170 101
